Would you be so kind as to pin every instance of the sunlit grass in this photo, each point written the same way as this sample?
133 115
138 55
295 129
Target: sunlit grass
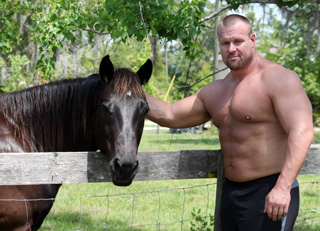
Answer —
165 141
309 213
143 205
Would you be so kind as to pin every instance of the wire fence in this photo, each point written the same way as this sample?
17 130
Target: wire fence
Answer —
169 209
309 213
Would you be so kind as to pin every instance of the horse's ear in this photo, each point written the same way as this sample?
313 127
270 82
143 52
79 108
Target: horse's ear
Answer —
145 72
106 69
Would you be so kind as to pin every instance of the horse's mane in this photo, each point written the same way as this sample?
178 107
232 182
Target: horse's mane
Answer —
40 115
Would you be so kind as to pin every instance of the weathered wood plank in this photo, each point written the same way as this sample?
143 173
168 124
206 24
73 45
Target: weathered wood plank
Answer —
185 164
81 167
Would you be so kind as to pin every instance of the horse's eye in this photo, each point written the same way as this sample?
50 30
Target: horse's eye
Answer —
145 107
107 108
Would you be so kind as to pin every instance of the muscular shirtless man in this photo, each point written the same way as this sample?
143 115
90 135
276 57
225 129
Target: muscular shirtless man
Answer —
266 128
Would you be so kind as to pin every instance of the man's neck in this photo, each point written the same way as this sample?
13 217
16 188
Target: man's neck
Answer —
246 71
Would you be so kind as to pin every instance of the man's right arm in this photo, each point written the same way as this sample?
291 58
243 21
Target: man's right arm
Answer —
187 112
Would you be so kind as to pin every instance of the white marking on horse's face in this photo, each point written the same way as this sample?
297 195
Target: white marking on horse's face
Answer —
127 108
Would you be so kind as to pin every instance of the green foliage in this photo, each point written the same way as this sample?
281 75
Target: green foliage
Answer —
17 62
316 136
122 19
316 119
201 223
280 3
164 18
15 34
11 33
295 47
133 54
67 38
60 22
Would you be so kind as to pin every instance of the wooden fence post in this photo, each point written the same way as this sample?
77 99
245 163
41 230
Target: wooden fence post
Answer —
220 181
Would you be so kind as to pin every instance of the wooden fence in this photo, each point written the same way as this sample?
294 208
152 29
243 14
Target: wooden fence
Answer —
82 167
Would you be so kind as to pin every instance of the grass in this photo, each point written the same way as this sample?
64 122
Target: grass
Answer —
159 205
164 141
144 205
309 213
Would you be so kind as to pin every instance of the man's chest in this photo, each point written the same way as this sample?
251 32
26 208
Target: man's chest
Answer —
245 103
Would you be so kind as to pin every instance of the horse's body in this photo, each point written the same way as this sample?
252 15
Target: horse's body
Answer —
104 112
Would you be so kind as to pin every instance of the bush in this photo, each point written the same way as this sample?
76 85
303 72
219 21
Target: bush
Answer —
316 119
316 138
201 223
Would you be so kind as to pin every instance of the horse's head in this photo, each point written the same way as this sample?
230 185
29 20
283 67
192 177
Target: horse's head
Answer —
120 115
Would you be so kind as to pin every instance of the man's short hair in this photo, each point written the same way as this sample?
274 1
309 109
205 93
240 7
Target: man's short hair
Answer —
232 19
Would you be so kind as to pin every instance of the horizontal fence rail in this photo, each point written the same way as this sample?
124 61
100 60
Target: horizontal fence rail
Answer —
82 167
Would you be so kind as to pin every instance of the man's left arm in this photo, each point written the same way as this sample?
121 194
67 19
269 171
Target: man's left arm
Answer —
294 112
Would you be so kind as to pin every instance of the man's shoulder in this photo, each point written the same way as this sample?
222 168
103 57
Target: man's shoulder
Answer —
279 80
212 87
211 91
274 72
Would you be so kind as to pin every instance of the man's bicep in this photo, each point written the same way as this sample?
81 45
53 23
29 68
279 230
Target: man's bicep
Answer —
190 111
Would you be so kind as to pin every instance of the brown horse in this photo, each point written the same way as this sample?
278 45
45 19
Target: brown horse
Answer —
102 112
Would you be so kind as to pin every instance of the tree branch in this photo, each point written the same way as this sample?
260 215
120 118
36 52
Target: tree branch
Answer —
253 1
96 32
215 13
200 80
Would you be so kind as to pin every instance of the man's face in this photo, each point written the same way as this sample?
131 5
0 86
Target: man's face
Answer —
236 45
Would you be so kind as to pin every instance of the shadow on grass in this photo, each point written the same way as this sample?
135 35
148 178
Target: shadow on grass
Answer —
84 221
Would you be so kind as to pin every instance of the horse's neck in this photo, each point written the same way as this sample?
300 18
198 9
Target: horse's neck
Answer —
8 141
84 141
11 140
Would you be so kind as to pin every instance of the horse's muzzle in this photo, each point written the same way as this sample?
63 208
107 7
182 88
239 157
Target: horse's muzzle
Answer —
123 172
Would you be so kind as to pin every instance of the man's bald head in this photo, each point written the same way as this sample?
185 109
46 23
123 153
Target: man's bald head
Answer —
232 20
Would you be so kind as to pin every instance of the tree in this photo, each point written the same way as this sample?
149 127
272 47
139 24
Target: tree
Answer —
295 43
16 52
52 29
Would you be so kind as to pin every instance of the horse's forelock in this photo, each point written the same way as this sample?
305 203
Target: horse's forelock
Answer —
126 81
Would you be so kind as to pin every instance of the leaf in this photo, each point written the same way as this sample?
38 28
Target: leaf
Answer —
69 35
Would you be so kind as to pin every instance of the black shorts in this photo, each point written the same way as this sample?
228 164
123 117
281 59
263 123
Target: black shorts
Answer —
242 206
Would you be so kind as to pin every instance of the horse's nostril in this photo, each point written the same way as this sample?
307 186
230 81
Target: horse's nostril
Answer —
123 167
117 163
136 165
